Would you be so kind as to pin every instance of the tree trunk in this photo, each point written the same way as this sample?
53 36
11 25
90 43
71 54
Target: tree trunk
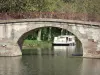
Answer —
39 35
49 35
62 31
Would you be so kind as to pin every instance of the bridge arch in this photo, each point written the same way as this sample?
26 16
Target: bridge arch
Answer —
87 32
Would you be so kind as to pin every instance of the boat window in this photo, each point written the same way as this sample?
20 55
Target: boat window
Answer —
66 39
70 39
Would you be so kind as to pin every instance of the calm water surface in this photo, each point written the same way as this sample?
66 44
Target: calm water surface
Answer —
53 61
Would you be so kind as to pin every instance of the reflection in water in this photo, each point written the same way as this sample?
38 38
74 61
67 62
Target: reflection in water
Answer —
64 50
55 50
50 61
90 67
51 65
10 65
48 65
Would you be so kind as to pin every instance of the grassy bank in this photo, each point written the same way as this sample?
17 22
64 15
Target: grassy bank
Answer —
36 44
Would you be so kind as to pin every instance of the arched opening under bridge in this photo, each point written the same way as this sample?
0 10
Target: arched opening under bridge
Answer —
32 40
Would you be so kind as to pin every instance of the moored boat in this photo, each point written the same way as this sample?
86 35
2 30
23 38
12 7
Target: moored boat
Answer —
64 40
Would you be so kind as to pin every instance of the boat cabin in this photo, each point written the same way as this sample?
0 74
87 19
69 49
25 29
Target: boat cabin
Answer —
64 40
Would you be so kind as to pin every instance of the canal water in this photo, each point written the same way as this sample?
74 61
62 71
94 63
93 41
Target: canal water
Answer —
56 60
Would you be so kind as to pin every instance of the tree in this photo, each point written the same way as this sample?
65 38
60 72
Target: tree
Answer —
15 5
49 34
39 35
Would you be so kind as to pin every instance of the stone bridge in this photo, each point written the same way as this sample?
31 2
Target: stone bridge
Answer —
12 33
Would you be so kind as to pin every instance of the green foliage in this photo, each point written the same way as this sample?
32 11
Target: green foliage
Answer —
83 6
47 5
36 44
11 5
47 33
29 5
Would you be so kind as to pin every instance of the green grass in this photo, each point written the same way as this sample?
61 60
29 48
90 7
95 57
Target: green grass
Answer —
36 44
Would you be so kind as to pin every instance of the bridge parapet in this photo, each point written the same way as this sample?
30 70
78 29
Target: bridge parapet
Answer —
79 22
